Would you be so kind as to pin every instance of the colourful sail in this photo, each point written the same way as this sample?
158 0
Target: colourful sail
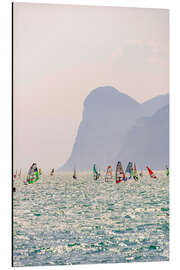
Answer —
120 174
33 174
95 173
151 173
129 169
135 175
108 174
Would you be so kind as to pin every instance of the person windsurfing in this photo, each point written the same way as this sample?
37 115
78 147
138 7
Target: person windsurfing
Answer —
135 174
120 174
15 175
74 175
95 173
129 170
108 174
152 175
52 172
141 173
167 170
33 174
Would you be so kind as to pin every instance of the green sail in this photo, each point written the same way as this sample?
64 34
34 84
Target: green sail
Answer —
95 170
33 174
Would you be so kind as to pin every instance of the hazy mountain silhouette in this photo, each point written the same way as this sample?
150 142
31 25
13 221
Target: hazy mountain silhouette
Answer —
107 116
112 128
153 105
147 142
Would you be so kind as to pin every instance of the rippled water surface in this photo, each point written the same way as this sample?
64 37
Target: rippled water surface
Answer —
59 220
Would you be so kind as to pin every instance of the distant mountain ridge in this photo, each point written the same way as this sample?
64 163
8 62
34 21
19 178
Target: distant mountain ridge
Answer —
108 118
151 106
147 142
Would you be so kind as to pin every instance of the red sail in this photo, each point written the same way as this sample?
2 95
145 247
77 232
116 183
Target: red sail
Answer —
151 172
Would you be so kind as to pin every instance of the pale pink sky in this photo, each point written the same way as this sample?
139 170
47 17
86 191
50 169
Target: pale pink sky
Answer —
61 53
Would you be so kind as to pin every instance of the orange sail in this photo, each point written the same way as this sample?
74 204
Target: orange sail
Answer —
135 175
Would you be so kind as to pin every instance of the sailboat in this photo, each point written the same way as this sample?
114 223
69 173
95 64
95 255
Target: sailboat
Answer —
40 171
135 175
96 174
19 175
52 172
15 174
108 174
33 174
129 169
120 174
151 173
167 171
74 175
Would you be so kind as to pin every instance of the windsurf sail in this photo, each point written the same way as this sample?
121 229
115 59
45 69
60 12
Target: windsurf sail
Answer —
74 175
129 169
151 173
19 175
141 173
167 171
96 174
108 174
52 172
15 174
33 174
120 174
135 175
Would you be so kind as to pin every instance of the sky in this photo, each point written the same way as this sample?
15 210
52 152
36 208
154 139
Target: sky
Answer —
61 53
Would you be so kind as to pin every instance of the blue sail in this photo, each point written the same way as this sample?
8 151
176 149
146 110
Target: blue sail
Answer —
129 169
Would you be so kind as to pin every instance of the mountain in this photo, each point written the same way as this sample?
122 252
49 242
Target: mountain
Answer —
107 117
153 105
147 142
116 127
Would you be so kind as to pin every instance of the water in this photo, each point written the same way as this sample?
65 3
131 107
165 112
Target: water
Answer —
59 221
